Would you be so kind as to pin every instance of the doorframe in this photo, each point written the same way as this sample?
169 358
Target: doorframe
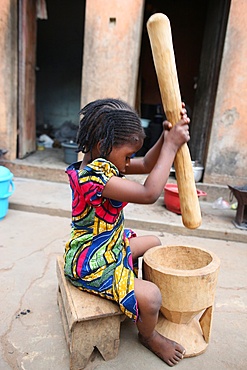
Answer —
207 83
27 38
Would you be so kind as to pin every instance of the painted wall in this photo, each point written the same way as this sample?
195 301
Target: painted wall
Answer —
227 153
112 34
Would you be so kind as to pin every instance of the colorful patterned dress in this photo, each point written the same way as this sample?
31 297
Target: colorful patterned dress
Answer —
97 256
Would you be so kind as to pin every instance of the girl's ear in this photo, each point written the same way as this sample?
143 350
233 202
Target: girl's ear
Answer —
98 147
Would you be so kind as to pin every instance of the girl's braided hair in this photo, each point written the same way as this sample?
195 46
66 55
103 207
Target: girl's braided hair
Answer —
111 122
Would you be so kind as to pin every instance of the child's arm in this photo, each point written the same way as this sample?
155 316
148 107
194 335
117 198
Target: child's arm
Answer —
145 164
129 191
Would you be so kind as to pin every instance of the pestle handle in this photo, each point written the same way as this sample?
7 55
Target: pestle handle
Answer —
160 36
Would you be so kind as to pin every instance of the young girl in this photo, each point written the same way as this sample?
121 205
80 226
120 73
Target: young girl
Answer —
101 255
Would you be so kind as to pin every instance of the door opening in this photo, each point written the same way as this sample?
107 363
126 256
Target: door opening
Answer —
58 69
195 26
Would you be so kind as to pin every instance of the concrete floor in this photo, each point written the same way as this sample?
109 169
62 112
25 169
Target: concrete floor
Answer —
32 235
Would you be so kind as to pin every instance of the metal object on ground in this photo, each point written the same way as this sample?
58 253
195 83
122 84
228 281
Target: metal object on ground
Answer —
240 193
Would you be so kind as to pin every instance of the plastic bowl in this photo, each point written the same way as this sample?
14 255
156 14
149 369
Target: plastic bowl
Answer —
171 197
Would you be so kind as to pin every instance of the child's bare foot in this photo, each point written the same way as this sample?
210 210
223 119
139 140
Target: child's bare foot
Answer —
169 351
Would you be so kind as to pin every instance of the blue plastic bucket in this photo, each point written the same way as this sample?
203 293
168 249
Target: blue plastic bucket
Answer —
5 184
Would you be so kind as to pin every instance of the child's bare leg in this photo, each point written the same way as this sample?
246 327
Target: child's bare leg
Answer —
149 301
140 244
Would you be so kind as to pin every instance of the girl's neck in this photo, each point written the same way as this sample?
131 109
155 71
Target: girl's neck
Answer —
86 159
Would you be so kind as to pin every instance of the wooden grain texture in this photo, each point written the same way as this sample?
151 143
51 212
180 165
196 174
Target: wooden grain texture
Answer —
187 278
160 36
206 323
89 322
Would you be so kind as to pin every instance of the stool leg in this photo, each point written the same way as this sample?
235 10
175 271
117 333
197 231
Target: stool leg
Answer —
63 317
108 337
81 347
86 335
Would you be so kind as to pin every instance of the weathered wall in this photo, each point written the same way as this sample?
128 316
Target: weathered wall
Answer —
111 49
8 77
227 154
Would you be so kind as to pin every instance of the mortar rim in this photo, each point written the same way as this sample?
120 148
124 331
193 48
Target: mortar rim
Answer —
210 268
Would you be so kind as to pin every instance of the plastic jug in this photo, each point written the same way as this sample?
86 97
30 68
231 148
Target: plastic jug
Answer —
5 184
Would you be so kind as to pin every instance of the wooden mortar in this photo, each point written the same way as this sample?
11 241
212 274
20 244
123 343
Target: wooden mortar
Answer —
187 278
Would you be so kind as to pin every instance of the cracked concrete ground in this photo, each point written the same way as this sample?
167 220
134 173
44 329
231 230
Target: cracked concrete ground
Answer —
31 332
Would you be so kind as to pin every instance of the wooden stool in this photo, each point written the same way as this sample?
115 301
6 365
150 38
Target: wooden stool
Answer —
89 321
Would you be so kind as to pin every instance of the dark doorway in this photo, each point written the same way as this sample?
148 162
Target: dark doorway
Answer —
59 65
198 31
